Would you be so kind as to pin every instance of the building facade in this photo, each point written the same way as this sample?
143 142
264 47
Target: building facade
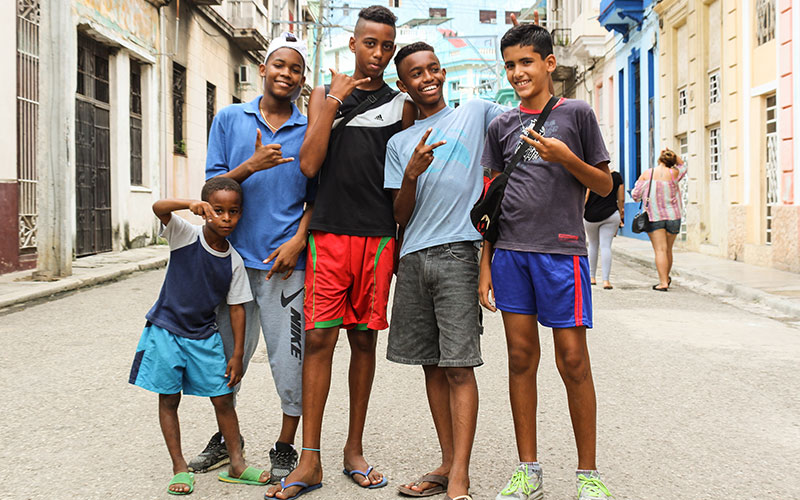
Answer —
142 83
729 106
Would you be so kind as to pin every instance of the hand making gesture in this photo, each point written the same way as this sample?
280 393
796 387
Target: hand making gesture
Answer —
422 157
203 209
549 148
267 156
342 85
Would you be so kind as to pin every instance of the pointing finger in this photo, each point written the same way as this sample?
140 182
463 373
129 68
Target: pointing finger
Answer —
529 140
271 256
514 21
437 144
284 160
535 135
333 72
363 81
258 138
536 17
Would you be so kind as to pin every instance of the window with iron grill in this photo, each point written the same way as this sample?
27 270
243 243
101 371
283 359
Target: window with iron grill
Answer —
437 12
683 150
713 87
211 106
178 103
765 19
714 153
488 16
136 124
772 197
682 102
508 15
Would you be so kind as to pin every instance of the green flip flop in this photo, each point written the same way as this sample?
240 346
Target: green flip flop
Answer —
249 476
182 478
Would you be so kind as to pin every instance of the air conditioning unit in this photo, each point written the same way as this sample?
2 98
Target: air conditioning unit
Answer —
245 75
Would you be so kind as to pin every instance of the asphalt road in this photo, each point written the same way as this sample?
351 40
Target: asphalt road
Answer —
697 397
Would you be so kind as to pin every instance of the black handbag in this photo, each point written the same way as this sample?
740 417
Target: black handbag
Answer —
485 214
641 221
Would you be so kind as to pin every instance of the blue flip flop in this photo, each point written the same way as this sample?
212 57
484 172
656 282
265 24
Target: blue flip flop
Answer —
304 488
350 473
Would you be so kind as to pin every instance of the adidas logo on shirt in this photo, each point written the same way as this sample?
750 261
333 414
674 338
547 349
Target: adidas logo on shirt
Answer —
379 117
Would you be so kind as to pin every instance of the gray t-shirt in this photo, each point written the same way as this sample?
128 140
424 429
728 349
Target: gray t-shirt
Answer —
542 209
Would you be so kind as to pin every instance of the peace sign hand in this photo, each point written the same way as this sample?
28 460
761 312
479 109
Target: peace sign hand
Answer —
422 157
342 85
549 148
268 156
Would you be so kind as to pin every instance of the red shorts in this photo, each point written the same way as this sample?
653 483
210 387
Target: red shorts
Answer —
347 281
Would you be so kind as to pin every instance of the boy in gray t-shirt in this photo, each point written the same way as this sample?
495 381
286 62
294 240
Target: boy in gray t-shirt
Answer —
538 269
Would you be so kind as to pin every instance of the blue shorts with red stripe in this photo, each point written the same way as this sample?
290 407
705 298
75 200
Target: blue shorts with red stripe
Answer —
555 287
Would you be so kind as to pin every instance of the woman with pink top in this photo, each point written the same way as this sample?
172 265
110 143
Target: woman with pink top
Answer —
664 209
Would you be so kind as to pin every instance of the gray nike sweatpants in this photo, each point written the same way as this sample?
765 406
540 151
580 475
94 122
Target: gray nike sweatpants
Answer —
277 311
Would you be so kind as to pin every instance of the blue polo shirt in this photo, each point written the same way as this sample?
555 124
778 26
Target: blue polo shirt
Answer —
274 198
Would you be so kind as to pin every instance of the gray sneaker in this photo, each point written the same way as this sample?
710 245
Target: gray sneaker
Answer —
281 463
525 484
591 487
215 455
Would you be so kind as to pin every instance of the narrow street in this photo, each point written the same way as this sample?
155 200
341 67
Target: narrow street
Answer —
697 399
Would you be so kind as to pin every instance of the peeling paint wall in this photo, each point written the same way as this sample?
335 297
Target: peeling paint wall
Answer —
135 20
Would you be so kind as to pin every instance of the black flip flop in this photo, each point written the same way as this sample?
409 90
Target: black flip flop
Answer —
655 287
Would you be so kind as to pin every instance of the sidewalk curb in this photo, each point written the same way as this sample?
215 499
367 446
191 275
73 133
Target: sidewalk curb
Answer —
73 283
740 291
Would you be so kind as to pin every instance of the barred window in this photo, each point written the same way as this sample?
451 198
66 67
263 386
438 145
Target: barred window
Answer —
178 103
136 124
765 19
211 106
437 12
487 16
713 87
682 102
714 153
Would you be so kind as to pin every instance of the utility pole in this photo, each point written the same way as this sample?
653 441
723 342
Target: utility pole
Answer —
318 42
55 164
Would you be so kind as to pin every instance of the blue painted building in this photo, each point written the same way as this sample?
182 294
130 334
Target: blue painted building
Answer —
635 26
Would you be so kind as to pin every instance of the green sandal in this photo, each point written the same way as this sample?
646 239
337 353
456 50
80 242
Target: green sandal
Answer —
186 478
249 476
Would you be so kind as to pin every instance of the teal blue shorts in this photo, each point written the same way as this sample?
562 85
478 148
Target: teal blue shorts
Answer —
168 364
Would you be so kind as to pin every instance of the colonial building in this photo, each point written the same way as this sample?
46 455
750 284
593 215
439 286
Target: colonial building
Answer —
141 83
728 104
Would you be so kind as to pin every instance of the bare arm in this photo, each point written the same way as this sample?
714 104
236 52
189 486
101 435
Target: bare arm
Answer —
264 157
485 278
321 114
621 203
286 255
164 208
406 198
234 369
410 113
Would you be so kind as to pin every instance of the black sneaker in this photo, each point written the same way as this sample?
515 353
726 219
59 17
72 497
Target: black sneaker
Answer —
282 461
215 455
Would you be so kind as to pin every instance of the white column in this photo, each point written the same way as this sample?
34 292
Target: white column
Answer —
56 149
120 82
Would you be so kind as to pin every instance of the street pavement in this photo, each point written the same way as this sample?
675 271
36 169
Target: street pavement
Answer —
697 399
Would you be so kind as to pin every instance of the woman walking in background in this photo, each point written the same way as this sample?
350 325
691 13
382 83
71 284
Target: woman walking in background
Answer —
664 210
602 216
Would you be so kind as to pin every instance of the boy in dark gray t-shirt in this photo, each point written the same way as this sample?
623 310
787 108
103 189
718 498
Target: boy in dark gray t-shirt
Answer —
539 271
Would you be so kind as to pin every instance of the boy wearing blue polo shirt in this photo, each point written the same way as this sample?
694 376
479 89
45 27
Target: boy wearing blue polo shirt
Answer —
180 350
433 170
539 271
271 236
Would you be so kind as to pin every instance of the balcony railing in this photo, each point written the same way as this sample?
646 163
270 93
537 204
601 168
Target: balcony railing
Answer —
250 22
621 15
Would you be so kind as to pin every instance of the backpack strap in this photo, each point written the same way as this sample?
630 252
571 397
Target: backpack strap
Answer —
362 106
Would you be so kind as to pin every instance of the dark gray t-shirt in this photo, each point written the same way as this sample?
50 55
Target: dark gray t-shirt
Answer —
542 209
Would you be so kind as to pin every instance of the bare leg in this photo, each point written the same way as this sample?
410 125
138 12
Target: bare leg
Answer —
229 427
320 344
464 412
171 429
438 390
670 242
572 360
658 239
524 352
289 426
361 375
